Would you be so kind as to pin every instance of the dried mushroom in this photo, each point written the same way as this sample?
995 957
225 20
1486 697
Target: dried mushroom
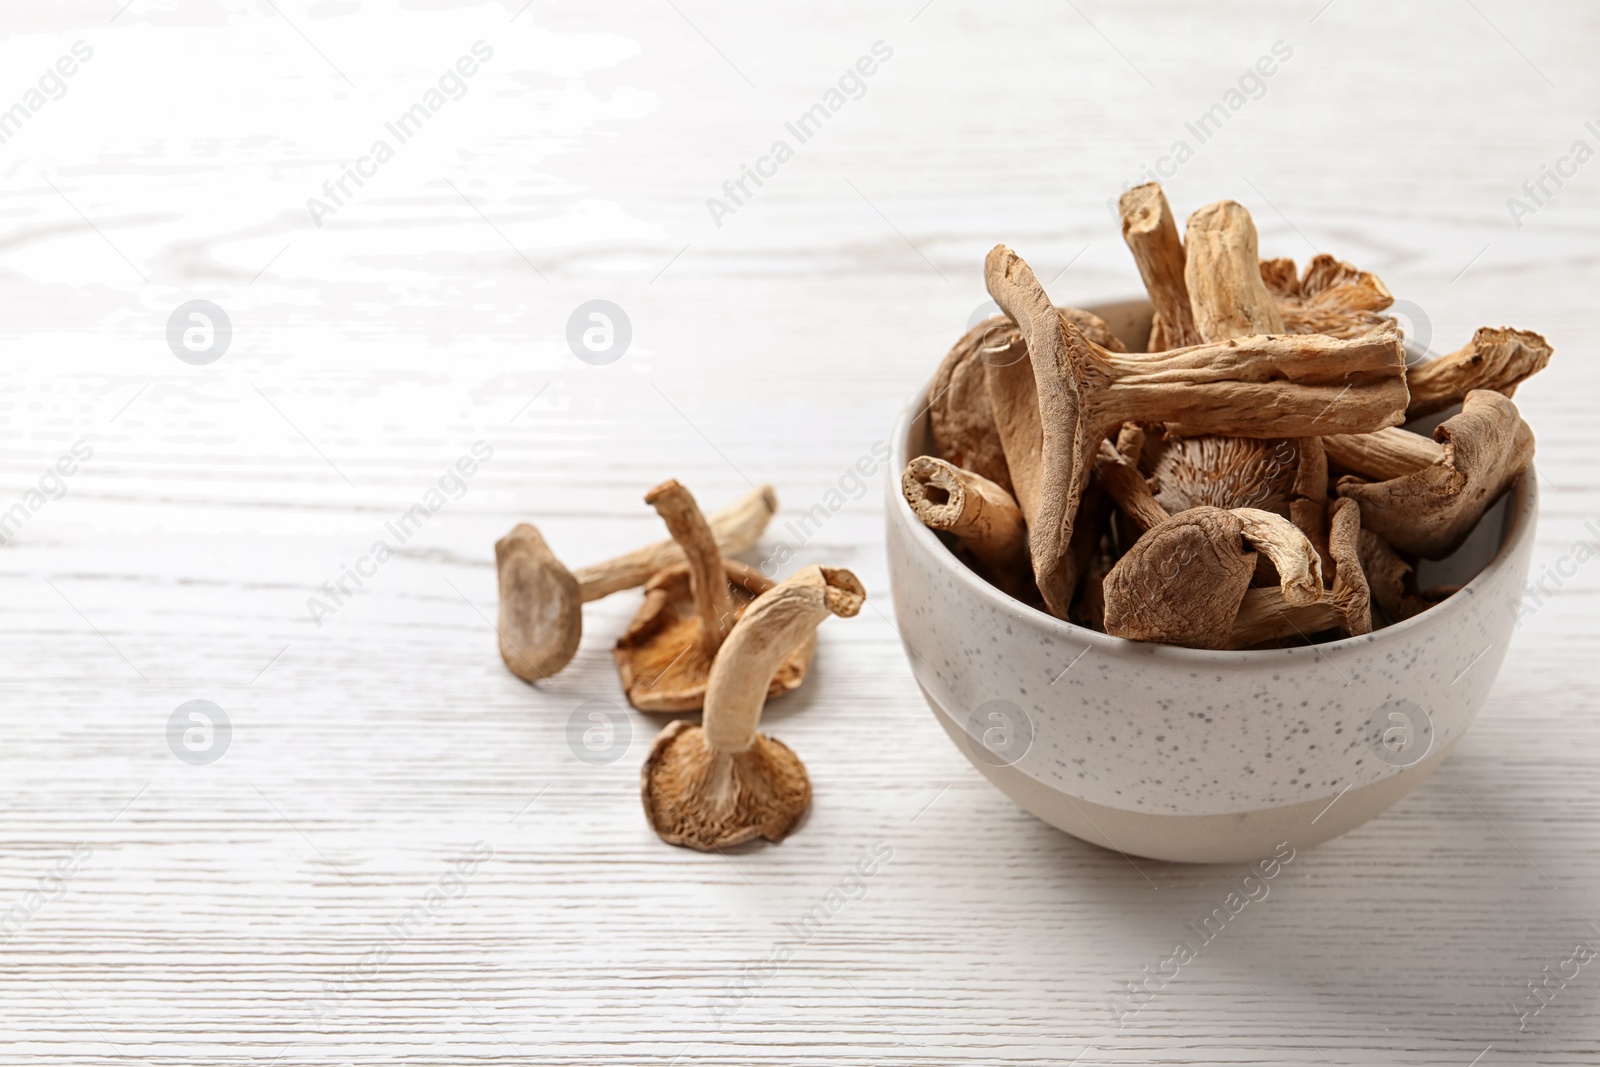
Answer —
665 656
1053 409
1183 582
1430 511
1498 359
960 417
1223 272
1152 236
724 783
1332 297
1388 453
1128 487
979 514
1266 616
1226 472
541 601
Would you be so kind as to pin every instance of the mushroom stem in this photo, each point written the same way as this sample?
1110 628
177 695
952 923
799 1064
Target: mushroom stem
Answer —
736 528
767 631
1222 269
1128 487
1264 615
707 580
1152 236
1388 453
1497 359
969 507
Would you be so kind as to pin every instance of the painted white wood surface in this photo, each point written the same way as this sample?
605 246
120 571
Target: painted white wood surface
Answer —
222 902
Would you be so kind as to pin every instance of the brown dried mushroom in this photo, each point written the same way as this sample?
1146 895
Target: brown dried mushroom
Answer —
960 417
1152 236
541 601
1498 359
665 656
979 514
1053 408
723 783
1184 581
1265 616
1332 297
1223 272
1430 511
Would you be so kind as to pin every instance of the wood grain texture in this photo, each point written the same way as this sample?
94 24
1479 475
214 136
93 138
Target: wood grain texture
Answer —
222 903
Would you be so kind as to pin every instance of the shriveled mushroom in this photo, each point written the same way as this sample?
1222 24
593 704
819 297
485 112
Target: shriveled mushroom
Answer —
1332 297
1498 359
723 783
1430 511
1128 487
541 601
1287 476
1183 582
1226 472
1223 272
665 655
979 514
1265 615
1388 453
1152 237
1053 409
960 417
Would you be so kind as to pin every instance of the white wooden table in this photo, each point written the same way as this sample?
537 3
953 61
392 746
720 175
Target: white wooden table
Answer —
325 893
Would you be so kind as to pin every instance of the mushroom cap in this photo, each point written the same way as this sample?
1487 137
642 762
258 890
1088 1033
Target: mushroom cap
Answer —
1225 472
1182 582
541 612
1332 297
660 657
701 798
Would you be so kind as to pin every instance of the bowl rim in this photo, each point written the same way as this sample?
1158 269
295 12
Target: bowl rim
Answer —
1523 494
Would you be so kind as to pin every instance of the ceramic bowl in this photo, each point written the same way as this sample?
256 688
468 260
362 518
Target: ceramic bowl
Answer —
1192 755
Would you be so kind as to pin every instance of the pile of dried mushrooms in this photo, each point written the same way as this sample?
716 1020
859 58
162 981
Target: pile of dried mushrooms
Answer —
1247 481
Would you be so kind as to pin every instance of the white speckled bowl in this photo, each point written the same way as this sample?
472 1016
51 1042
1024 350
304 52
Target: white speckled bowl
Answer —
1190 755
